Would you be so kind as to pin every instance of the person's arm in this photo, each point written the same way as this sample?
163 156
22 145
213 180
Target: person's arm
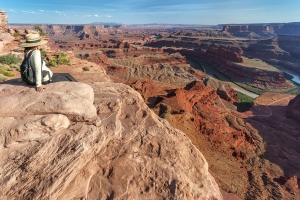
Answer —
36 61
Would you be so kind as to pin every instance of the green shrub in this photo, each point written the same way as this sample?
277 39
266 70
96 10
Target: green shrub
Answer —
6 73
245 102
52 62
62 59
244 98
2 78
44 53
10 59
40 30
86 69
6 67
16 34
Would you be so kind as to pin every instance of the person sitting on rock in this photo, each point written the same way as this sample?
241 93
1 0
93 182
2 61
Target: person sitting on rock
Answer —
42 73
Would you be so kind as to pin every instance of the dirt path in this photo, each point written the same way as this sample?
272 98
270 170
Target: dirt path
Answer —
270 112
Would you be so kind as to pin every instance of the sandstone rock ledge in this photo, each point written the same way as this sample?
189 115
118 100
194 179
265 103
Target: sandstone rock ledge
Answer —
67 143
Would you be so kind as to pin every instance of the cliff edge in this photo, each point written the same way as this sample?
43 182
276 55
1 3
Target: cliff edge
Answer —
94 142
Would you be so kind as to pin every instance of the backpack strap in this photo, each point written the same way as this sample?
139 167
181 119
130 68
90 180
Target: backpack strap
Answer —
28 61
29 54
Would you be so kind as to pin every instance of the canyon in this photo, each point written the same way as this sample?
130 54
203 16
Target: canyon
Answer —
156 115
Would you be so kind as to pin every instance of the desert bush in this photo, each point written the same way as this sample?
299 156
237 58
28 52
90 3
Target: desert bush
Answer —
2 78
6 73
16 34
44 53
62 59
86 69
40 30
6 67
10 59
52 62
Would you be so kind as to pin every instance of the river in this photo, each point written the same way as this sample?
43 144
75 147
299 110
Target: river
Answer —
212 73
296 75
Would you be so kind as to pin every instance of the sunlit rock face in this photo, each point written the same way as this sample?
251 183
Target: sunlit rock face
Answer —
3 21
97 141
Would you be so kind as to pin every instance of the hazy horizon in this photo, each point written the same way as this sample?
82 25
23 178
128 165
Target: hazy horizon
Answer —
200 12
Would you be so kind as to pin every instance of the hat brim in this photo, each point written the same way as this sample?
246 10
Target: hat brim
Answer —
26 44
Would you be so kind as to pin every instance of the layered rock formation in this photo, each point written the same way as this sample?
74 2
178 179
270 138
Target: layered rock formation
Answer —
263 30
256 77
166 68
224 54
3 21
58 144
5 38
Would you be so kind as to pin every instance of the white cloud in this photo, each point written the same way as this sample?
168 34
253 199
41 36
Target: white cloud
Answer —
41 10
107 16
28 12
11 10
97 16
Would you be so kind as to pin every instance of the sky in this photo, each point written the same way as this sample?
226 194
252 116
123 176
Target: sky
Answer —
205 12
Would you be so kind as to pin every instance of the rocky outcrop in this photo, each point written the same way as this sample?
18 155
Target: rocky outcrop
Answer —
197 110
59 145
223 89
3 21
244 28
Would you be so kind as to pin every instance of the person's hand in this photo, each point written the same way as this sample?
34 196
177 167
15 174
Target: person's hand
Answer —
40 89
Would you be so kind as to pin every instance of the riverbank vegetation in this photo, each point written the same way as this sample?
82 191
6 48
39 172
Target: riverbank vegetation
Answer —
245 102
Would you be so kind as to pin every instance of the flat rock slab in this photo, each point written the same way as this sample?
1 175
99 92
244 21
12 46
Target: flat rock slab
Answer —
72 99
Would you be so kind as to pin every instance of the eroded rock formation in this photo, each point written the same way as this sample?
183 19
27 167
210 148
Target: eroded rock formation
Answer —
3 21
58 144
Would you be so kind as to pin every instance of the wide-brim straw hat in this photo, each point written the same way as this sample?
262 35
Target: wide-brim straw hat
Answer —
33 40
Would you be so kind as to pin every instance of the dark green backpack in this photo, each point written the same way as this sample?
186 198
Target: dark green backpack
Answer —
27 72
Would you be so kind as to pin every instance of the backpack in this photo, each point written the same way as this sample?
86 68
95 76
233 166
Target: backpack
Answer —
27 73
